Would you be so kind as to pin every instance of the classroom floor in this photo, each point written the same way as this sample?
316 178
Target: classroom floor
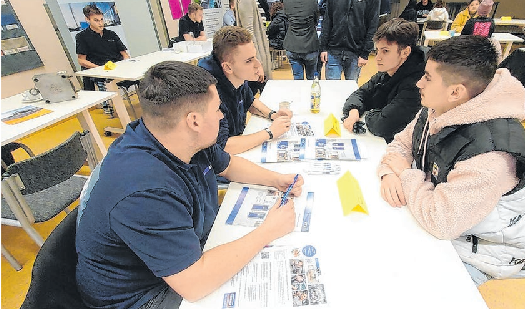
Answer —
498 294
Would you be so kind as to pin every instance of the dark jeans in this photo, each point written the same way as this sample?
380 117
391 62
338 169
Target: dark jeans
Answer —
301 62
166 299
342 61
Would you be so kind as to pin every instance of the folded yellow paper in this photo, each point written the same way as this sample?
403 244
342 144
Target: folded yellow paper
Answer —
109 65
332 126
506 18
444 33
350 194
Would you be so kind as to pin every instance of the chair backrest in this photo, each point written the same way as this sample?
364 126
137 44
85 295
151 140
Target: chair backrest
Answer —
53 281
435 25
51 167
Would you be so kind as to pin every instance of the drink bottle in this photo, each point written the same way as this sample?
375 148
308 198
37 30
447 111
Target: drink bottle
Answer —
315 97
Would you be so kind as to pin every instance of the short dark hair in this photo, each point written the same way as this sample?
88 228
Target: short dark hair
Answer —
397 30
470 60
276 7
194 7
90 10
170 89
440 4
226 39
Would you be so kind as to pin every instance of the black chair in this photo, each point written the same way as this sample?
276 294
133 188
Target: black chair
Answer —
53 281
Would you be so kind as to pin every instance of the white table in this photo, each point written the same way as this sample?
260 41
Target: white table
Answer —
504 38
60 111
134 69
381 260
512 22
422 20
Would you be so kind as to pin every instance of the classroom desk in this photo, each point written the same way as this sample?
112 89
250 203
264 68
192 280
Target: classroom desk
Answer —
381 260
133 69
512 22
422 20
60 111
504 38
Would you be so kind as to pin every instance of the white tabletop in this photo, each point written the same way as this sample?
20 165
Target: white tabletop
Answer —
60 111
381 260
134 68
512 22
502 37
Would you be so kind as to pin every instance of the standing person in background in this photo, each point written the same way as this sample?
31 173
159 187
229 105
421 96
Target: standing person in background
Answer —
278 26
461 19
346 36
95 46
301 42
423 8
247 16
439 12
482 24
410 13
191 27
229 16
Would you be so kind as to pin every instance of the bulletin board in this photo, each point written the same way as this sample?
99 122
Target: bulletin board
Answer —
18 54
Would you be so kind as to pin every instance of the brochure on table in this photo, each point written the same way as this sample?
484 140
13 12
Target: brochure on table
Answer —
254 202
310 148
278 277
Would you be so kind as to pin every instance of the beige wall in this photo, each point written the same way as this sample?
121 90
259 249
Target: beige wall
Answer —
34 19
171 24
514 8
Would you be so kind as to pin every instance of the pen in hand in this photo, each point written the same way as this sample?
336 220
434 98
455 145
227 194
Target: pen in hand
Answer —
285 195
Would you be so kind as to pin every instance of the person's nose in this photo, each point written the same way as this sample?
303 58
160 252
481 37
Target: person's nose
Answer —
420 82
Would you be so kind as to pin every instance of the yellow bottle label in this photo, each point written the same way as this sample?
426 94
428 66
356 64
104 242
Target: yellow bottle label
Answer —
315 104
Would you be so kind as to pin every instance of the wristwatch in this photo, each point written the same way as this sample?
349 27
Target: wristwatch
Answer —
270 114
269 132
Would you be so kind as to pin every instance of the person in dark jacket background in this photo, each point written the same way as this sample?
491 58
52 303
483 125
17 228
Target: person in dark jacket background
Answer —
423 8
410 13
391 96
278 26
301 42
482 24
346 36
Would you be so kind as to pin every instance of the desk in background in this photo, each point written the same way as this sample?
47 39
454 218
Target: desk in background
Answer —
381 260
506 39
134 69
512 22
60 111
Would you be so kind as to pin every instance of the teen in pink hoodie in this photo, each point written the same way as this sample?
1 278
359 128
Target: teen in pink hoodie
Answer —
459 166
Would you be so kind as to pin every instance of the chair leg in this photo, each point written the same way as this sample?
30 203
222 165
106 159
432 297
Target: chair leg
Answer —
11 259
128 99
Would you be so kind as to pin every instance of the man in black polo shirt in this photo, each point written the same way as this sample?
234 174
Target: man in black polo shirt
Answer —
95 46
191 27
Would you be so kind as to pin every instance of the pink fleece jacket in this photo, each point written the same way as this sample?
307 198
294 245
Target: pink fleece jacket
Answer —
474 186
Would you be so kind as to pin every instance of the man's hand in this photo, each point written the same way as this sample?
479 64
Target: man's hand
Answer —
324 57
392 191
285 180
353 117
280 126
280 220
396 162
361 62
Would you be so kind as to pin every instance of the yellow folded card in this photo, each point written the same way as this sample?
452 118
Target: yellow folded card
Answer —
350 194
444 33
507 18
332 126
109 65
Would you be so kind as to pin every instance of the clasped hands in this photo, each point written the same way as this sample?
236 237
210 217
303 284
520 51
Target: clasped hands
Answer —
391 188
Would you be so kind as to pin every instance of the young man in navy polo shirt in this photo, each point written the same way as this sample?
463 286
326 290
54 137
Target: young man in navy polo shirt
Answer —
191 27
150 206
95 46
233 63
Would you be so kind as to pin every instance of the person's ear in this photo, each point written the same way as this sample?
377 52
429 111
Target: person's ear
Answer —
458 93
227 67
406 52
194 121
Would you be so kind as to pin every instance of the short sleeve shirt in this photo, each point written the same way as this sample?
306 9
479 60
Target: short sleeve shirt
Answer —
186 25
99 49
147 216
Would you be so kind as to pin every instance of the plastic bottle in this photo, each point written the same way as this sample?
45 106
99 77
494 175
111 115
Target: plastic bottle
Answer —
315 98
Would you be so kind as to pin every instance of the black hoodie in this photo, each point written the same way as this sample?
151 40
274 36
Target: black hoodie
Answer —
391 101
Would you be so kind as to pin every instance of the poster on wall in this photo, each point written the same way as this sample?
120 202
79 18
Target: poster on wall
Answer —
18 54
76 21
213 12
